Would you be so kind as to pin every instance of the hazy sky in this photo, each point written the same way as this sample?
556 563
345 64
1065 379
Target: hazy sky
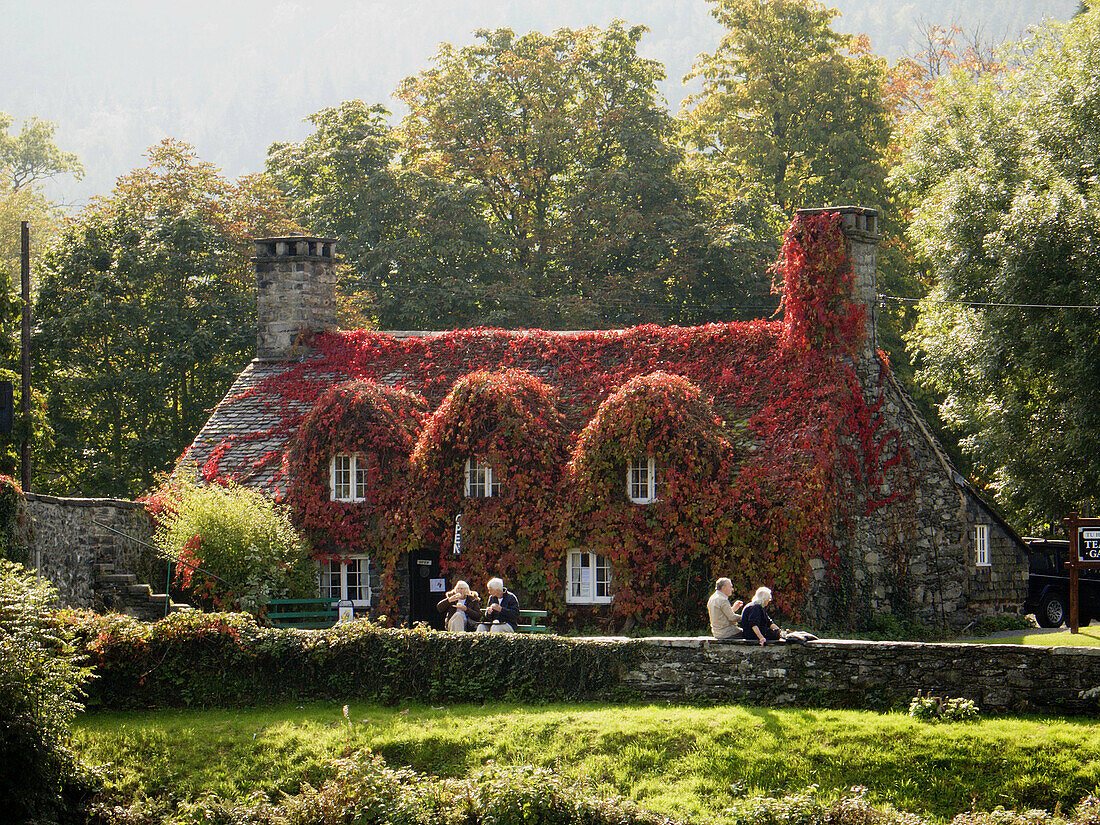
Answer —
231 77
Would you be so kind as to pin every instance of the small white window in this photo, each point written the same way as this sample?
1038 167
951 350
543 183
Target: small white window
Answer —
480 480
589 578
347 578
981 545
348 477
641 481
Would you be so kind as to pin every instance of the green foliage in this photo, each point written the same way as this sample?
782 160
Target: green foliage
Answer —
40 687
942 709
1000 172
32 156
12 506
536 181
792 105
227 659
238 535
699 764
145 316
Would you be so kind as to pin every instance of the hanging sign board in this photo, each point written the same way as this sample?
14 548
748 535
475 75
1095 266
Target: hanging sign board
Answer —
1084 538
1088 545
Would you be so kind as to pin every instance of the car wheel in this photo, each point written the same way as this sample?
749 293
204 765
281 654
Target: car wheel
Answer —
1051 612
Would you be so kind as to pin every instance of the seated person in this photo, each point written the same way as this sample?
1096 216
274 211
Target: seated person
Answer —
501 614
724 619
756 624
462 606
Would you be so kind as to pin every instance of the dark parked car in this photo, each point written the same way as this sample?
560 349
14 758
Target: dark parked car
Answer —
1048 585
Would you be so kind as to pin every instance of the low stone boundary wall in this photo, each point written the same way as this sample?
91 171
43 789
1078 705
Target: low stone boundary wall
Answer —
867 674
65 543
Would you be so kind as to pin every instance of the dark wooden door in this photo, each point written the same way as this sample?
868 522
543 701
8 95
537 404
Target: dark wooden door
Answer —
424 574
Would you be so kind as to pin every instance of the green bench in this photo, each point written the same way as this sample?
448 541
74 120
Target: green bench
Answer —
532 621
298 613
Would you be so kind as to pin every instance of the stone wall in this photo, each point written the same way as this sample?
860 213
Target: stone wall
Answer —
67 542
904 528
999 678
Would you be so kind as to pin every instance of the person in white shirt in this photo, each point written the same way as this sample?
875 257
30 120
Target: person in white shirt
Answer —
725 618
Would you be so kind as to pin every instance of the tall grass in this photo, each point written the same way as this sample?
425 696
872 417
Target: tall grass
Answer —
686 762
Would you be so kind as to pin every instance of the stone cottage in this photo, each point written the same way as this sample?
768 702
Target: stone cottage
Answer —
611 475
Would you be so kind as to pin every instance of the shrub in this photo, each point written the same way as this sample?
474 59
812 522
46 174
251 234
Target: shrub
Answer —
40 682
220 660
938 709
368 792
239 536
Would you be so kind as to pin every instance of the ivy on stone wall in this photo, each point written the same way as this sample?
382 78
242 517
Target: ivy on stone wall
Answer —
12 509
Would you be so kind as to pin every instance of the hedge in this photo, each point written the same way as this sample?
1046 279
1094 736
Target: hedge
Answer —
226 659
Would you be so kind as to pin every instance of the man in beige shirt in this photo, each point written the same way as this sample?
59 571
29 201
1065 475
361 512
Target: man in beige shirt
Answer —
725 621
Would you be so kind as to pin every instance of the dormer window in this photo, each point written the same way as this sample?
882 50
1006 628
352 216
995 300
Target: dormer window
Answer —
348 477
641 481
480 480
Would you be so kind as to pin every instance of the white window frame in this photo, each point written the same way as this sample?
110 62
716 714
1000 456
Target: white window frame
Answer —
579 591
642 491
981 545
481 481
344 584
355 487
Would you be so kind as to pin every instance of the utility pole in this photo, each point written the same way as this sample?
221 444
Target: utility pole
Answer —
25 356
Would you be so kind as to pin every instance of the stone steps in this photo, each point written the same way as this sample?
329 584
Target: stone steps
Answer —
123 593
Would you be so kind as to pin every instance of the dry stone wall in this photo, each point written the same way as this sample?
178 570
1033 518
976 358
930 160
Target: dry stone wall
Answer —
68 541
1000 678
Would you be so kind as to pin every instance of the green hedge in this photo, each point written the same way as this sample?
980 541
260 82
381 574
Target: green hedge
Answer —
226 659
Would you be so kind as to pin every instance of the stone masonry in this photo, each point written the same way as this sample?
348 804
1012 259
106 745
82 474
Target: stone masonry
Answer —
913 556
69 543
295 293
999 678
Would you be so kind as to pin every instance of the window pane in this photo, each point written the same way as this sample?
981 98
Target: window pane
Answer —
981 543
360 478
639 480
603 577
357 579
481 480
330 580
341 478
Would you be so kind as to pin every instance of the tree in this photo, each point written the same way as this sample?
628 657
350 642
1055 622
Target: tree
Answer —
1003 173
26 161
145 316
792 105
537 180
32 156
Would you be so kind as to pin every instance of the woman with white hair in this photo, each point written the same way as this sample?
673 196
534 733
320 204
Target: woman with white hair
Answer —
462 607
501 614
756 624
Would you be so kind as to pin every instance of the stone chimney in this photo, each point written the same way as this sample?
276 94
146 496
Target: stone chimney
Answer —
295 293
861 229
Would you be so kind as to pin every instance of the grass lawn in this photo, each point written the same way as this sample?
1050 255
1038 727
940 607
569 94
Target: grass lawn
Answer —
1088 637
687 762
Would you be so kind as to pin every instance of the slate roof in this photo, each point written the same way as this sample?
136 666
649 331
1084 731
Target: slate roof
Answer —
249 431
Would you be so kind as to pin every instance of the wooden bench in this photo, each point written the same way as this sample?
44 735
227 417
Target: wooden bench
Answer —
297 613
532 621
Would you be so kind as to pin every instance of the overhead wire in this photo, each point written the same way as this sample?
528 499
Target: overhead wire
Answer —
999 304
